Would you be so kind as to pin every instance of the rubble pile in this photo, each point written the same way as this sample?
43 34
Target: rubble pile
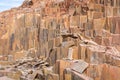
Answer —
61 40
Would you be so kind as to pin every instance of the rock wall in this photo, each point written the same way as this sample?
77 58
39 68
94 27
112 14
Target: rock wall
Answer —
72 29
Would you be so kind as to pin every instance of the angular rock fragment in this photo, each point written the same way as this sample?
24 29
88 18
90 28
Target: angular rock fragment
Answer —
79 66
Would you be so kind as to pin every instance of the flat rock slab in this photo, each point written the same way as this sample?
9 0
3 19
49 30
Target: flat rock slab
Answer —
79 66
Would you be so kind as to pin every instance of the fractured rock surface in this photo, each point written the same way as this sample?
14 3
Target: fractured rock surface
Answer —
61 40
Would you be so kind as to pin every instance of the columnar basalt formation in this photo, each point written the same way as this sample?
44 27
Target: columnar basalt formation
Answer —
61 40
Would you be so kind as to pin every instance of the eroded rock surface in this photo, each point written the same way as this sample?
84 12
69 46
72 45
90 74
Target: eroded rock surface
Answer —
42 39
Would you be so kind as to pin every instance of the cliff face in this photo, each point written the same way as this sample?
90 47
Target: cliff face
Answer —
21 27
55 29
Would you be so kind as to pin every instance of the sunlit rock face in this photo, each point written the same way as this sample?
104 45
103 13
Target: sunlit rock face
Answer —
71 29
24 27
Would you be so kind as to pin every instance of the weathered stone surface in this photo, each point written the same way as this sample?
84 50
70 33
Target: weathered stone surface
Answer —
44 33
79 66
